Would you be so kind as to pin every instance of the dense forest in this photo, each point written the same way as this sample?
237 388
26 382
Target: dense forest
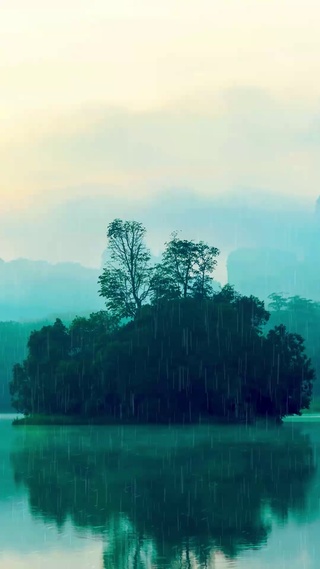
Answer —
168 347
301 316
13 349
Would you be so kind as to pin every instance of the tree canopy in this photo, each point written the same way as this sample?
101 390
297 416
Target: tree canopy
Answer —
129 281
188 267
125 281
178 360
186 352
300 316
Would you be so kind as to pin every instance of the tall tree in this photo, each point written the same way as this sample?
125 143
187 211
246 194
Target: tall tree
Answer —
186 268
206 263
163 285
125 281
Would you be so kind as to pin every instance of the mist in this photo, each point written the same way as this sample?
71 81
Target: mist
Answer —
75 230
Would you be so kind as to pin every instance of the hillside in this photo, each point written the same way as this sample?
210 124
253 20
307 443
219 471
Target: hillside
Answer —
32 290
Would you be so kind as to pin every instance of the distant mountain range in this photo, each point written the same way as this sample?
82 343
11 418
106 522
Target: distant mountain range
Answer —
261 271
33 290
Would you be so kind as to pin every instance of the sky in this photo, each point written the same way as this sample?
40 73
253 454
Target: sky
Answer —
126 100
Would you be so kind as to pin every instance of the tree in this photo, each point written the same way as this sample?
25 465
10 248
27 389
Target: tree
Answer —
302 316
20 390
226 294
189 353
206 263
87 335
186 268
290 376
251 311
163 285
278 301
37 386
125 281
300 304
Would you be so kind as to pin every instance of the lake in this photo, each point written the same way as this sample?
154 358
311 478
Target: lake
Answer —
158 497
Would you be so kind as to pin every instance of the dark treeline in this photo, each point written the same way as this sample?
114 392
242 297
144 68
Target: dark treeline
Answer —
299 315
13 348
168 347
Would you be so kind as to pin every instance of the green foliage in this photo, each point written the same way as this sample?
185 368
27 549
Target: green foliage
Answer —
278 301
129 281
163 286
291 370
188 266
186 352
125 281
301 316
56 375
13 349
179 360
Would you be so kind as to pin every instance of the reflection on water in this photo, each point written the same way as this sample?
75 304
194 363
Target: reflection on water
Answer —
170 497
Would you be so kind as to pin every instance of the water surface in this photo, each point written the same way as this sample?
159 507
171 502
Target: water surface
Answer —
160 497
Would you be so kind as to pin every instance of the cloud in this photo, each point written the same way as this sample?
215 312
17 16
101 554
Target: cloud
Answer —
244 138
76 229
238 170
179 71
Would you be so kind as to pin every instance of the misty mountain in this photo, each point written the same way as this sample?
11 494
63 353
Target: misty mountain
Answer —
240 218
289 265
262 271
33 294
31 290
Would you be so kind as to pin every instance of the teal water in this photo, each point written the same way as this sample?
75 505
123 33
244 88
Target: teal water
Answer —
160 497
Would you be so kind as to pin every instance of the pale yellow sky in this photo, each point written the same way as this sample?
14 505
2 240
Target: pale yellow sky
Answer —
67 64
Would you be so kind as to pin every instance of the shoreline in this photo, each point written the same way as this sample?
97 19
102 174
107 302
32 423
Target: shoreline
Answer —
76 420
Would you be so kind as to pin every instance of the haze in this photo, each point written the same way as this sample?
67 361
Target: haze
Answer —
179 115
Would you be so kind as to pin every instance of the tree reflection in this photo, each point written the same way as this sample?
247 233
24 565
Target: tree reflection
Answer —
162 498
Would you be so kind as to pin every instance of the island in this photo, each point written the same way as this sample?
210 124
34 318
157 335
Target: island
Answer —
168 348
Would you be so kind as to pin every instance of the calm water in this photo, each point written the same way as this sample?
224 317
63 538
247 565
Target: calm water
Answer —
146 497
